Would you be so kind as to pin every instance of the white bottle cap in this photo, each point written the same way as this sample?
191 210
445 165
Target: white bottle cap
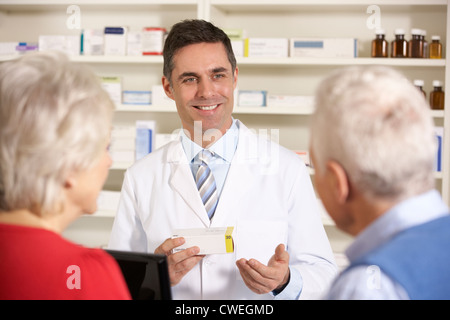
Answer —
399 31
418 83
437 83
416 31
435 38
379 31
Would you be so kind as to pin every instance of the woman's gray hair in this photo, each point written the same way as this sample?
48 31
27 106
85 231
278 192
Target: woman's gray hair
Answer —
55 118
378 126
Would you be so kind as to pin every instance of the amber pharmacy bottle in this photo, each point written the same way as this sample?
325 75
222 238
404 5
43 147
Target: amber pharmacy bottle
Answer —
419 85
399 46
379 45
435 48
437 96
415 45
423 36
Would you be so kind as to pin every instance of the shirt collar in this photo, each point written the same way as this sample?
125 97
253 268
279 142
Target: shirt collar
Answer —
408 213
225 147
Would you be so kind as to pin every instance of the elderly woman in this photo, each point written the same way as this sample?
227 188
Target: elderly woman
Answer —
55 123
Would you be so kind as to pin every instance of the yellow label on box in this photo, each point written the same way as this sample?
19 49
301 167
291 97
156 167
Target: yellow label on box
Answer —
229 240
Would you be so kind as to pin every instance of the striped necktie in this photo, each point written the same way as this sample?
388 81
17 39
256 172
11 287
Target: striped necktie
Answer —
206 184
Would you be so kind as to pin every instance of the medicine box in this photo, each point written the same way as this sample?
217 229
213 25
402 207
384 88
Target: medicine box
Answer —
113 85
145 131
92 42
266 47
70 45
134 43
122 147
115 40
306 103
252 98
8 48
324 48
137 97
25 47
209 240
238 48
153 40
237 40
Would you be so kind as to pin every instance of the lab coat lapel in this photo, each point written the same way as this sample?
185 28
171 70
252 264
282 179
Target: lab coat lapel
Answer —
240 178
182 182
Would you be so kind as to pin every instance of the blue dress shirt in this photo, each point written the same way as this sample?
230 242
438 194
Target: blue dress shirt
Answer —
223 151
368 282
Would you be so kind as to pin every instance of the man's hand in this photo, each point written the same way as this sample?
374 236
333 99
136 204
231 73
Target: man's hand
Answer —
180 263
264 279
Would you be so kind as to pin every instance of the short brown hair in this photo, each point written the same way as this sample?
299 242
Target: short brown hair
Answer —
189 32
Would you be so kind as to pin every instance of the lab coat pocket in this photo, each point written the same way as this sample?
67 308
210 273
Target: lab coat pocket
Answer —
257 239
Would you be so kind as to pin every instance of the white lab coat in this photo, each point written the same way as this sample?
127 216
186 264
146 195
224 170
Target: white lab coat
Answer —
267 197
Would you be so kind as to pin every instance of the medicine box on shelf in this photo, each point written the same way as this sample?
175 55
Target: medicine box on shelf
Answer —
324 48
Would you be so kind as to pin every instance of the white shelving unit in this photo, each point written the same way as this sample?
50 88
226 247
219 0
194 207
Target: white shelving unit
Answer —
287 76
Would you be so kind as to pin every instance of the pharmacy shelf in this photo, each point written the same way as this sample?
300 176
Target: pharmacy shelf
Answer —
150 59
293 61
282 5
156 59
269 110
288 62
52 5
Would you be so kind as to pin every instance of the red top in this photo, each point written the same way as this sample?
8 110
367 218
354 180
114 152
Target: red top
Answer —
39 264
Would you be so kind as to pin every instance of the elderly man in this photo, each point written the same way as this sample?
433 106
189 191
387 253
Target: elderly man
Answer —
373 146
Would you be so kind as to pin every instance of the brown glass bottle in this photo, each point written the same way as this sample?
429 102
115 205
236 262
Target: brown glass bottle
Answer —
415 45
399 46
379 45
423 38
437 96
419 85
435 48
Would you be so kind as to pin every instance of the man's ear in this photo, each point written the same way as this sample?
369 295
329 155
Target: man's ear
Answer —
235 77
339 180
167 87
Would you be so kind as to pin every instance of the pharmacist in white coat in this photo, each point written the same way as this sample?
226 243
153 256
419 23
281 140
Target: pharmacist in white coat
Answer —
258 187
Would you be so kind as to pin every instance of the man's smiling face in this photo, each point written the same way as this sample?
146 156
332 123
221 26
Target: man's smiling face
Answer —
203 84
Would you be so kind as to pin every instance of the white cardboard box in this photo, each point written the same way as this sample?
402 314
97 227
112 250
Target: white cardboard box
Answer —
92 42
324 47
137 97
115 41
306 102
252 98
113 85
209 240
266 47
70 45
